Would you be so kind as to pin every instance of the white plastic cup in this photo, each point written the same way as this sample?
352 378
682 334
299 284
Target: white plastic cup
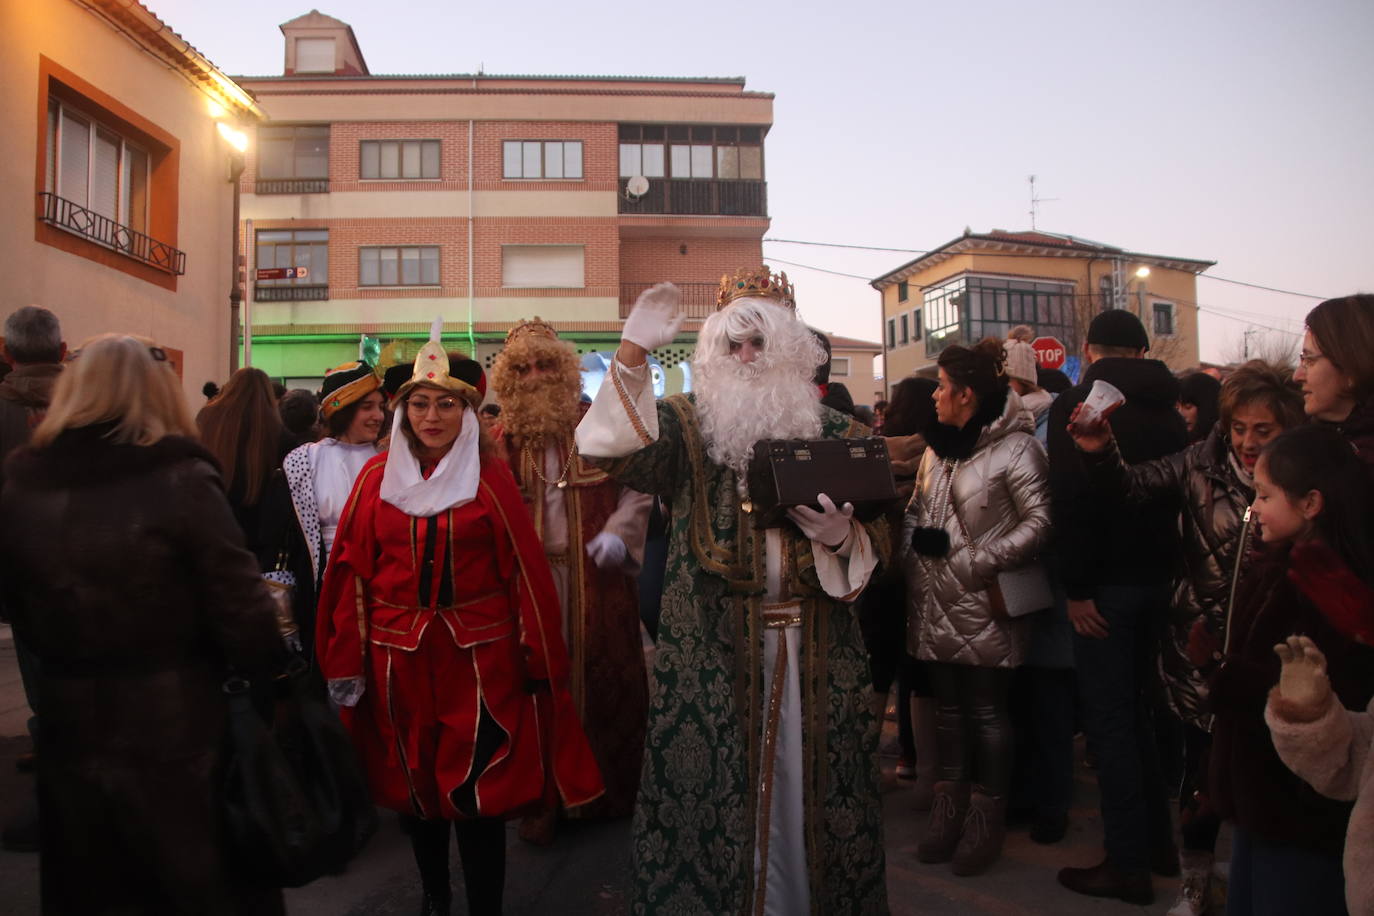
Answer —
1099 404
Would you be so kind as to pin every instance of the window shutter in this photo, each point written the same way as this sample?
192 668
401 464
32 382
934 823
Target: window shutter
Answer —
314 55
543 266
74 176
105 175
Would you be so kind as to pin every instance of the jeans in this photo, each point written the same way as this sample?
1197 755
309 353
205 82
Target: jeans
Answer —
1042 706
1272 880
973 728
1114 677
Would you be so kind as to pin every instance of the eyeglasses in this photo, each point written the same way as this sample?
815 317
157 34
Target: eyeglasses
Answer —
445 406
1308 360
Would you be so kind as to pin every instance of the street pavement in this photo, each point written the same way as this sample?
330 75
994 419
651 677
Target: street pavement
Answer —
586 872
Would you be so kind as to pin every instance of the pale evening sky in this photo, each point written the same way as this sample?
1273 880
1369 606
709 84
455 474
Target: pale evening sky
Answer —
1238 131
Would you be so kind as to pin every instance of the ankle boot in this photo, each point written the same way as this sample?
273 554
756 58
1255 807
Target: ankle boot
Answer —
947 813
1193 894
985 829
927 757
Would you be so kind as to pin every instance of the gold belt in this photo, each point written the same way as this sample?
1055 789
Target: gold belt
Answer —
782 615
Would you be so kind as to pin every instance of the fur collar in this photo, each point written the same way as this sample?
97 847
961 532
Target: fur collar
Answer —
85 457
961 442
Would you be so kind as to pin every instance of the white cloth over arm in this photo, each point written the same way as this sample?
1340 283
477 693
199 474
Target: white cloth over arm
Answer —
845 570
623 417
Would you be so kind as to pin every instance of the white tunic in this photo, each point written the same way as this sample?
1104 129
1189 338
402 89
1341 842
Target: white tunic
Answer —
334 466
622 420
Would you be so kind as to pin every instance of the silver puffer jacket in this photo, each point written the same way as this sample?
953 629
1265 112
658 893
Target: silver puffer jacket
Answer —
1002 496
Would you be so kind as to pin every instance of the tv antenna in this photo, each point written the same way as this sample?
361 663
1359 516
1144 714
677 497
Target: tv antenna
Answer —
1035 202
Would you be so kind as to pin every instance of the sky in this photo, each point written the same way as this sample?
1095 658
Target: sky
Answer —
1238 131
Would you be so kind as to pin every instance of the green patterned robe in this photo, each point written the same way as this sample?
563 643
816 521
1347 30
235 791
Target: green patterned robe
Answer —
694 826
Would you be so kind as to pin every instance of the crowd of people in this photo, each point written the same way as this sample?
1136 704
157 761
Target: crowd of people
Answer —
468 565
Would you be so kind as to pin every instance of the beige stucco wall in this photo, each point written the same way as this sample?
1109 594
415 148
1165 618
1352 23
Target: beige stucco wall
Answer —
422 309
859 381
88 297
422 203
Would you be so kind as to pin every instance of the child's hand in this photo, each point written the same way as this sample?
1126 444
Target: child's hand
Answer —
1302 680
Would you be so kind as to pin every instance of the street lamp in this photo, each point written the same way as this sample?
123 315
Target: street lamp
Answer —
238 144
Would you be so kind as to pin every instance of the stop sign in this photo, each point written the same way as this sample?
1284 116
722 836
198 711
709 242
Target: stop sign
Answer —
1050 352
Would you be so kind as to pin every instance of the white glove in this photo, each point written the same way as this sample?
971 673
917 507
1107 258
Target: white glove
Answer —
607 551
656 317
346 691
830 526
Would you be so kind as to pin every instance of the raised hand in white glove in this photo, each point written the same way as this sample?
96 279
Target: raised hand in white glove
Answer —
607 550
830 526
656 317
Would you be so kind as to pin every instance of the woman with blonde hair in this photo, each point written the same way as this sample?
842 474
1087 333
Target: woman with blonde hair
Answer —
129 579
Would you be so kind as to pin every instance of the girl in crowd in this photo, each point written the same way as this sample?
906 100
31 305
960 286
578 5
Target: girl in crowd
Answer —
1312 504
440 633
981 507
129 580
1213 481
1197 404
320 474
1336 368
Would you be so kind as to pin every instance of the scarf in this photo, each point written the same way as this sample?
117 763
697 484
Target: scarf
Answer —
453 483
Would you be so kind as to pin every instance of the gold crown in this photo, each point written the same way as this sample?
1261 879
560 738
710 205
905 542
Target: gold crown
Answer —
755 284
536 327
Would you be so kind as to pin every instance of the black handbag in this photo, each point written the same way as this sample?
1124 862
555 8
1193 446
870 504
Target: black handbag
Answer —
293 795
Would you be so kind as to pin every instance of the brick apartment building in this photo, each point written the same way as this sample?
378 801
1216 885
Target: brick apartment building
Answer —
487 199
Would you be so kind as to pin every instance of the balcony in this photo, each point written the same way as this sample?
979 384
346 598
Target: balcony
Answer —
76 219
698 299
291 186
700 197
290 293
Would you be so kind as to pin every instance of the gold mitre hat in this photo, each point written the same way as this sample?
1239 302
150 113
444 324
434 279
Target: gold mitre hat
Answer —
756 284
432 368
531 328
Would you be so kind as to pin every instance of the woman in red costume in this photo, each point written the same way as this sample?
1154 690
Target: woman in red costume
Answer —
439 633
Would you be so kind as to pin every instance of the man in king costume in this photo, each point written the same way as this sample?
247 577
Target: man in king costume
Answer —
592 528
759 793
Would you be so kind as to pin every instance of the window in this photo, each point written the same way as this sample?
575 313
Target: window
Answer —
408 266
308 248
94 167
699 152
1106 292
915 324
300 151
400 159
1164 319
839 365
542 266
971 308
905 335
315 55
542 159
903 291
891 333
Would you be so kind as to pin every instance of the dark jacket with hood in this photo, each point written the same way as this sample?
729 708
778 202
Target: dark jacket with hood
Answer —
1214 499
24 397
129 580
1250 784
1105 541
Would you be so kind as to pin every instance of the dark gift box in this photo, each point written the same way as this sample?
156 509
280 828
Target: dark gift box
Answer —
792 472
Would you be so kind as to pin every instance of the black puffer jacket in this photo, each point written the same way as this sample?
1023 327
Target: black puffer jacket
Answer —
128 577
1214 500
1105 541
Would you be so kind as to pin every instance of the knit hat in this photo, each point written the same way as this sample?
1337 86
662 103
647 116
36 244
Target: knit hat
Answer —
1118 328
1021 360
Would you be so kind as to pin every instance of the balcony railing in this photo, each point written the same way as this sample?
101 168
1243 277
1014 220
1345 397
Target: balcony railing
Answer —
700 197
74 218
290 293
291 186
698 299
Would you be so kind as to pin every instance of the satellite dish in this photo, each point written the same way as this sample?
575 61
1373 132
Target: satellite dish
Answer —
637 186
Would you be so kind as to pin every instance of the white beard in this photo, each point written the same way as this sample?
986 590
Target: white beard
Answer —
740 403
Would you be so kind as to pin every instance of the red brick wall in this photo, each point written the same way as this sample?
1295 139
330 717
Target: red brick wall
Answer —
651 260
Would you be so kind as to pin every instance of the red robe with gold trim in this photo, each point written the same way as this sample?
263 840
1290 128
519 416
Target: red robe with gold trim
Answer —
454 622
608 683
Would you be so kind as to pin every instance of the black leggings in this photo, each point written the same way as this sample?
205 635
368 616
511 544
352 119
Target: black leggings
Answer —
482 849
973 727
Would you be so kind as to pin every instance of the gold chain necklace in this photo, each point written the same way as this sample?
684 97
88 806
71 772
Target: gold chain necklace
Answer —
562 481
